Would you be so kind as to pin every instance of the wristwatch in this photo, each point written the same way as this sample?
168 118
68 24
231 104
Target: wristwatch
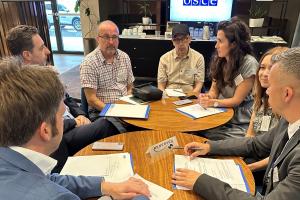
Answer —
216 104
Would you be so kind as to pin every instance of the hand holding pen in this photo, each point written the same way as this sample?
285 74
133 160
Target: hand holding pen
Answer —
195 149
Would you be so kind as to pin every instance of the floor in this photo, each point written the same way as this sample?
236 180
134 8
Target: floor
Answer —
64 62
68 67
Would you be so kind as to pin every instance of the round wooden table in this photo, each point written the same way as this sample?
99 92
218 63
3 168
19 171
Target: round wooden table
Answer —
163 116
159 169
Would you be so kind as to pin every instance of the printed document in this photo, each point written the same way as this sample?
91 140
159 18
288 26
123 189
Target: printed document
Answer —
196 111
175 92
157 192
126 110
113 167
133 100
224 170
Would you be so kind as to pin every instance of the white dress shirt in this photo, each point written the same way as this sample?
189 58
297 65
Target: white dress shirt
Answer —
45 163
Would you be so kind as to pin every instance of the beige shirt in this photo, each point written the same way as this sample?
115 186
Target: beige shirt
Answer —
181 72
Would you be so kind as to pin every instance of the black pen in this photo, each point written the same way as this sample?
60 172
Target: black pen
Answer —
192 148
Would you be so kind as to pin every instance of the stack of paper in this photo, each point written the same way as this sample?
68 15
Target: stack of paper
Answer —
113 167
196 111
225 170
126 110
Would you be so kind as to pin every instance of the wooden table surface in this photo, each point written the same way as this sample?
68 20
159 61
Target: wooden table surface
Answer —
163 116
160 168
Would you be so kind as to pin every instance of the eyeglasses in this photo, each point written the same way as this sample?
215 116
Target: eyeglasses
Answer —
182 39
107 38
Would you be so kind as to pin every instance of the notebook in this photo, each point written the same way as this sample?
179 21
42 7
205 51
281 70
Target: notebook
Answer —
196 111
126 110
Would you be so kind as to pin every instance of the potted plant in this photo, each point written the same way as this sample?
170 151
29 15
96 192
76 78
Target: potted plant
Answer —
257 14
144 8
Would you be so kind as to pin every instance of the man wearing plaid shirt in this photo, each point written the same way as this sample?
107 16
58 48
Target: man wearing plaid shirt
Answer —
105 74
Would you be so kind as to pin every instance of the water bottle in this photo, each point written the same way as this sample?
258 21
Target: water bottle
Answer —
196 32
200 33
206 32
191 29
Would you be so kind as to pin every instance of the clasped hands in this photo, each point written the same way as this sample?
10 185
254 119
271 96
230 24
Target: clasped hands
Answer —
81 120
186 177
205 100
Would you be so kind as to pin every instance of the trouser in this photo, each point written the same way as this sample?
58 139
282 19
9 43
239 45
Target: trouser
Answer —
79 137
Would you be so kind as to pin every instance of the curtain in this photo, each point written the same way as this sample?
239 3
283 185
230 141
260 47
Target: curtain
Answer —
296 39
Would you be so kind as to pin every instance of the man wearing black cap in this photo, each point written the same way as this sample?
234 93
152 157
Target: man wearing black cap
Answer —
183 67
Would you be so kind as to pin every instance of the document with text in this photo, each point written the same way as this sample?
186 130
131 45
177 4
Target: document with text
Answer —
126 110
175 92
222 169
157 192
113 167
196 111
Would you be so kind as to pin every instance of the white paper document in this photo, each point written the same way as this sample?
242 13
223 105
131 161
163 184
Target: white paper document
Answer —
133 100
157 192
196 111
224 170
175 92
113 167
126 110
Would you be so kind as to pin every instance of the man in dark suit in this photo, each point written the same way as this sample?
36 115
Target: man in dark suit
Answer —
282 144
25 42
31 128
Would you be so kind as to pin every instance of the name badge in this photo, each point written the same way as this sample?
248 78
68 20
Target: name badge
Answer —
238 80
275 175
265 123
163 146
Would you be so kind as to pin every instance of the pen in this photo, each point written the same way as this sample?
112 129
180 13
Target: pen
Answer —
203 107
192 148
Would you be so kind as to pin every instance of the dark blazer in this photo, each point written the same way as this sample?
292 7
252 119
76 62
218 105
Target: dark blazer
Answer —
288 164
22 179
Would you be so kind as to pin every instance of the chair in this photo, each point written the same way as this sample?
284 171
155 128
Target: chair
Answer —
84 104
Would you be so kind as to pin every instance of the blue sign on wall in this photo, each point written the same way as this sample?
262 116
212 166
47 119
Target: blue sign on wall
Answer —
200 2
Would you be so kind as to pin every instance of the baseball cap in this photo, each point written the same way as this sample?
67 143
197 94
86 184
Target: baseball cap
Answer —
180 29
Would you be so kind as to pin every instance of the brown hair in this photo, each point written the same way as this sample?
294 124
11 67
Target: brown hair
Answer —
260 96
29 95
224 71
19 39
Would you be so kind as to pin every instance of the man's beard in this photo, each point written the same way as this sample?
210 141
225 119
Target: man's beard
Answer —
111 50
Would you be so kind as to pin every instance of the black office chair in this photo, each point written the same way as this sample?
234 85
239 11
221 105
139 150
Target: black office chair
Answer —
84 104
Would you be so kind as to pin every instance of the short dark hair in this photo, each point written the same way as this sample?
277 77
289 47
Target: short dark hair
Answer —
19 39
29 95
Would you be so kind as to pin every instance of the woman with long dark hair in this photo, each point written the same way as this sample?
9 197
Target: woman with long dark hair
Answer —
232 71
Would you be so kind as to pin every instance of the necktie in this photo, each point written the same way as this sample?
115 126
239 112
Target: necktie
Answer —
280 146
